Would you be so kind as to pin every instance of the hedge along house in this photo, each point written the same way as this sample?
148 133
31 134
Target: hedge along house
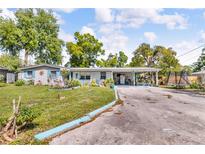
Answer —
9 76
121 76
42 74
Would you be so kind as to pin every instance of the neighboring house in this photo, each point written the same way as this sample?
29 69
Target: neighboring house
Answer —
9 76
43 74
200 75
121 76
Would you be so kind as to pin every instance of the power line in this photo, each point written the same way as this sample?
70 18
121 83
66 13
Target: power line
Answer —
191 50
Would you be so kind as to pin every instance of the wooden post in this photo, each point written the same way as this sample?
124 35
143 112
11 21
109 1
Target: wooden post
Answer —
157 79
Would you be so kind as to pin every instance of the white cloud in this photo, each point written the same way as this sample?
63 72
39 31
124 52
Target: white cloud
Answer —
185 46
137 17
202 36
150 36
86 29
104 15
59 18
66 10
66 36
6 13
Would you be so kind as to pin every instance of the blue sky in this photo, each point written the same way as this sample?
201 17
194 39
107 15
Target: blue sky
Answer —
125 29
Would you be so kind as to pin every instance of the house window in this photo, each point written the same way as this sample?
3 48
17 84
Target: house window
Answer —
53 74
29 74
84 76
102 75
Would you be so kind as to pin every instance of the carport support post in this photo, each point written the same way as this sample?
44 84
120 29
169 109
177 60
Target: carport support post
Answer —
133 77
156 78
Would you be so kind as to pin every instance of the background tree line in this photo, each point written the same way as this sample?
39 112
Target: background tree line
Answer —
35 32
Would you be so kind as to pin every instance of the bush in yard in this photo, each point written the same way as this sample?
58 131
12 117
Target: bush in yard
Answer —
93 83
26 116
3 84
108 82
74 83
194 85
19 83
2 78
30 82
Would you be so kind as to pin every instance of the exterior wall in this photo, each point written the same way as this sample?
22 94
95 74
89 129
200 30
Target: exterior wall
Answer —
41 75
93 76
3 72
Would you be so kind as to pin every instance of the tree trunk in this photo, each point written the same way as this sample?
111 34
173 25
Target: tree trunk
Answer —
180 77
168 77
175 77
26 58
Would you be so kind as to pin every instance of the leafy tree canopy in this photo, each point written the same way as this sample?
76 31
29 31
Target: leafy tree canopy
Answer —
85 51
10 62
114 60
35 32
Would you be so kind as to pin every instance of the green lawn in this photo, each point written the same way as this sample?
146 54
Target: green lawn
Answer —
53 111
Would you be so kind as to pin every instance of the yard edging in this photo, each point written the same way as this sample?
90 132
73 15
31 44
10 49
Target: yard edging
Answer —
75 123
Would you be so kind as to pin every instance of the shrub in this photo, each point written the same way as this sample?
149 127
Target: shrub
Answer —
93 83
19 83
74 83
3 84
2 78
27 115
108 83
30 82
86 84
194 85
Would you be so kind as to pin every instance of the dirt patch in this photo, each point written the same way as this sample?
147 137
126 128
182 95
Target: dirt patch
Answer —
168 96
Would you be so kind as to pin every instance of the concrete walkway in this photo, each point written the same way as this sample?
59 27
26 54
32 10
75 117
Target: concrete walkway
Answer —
148 116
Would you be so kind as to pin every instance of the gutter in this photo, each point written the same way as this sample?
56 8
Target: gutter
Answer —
75 123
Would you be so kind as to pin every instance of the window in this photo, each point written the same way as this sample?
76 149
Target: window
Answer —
84 76
102 75
76 75
53 74
29 74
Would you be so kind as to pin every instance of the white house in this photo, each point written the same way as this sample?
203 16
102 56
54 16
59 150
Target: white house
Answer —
121 76
200 75
42 74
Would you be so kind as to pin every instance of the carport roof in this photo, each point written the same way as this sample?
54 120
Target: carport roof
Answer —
112 69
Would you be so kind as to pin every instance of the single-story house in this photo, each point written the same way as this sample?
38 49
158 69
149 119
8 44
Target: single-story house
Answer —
121 76
200 75
9 76
43 74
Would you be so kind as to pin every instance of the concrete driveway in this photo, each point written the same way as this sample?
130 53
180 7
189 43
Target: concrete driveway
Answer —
149 116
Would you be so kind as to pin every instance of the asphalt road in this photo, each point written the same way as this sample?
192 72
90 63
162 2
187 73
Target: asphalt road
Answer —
147 116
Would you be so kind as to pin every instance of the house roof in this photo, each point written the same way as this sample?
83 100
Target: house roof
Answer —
199 73
3 68
41 65
112 69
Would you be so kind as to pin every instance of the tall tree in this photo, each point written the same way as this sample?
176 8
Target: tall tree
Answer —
9 37
168 62
113 60
197 66
35 32
85 51
144 55
25 22
10 62
49 46
122 59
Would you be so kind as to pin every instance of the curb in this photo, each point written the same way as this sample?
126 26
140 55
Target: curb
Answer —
75 123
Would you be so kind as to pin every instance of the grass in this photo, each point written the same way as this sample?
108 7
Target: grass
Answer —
53 111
